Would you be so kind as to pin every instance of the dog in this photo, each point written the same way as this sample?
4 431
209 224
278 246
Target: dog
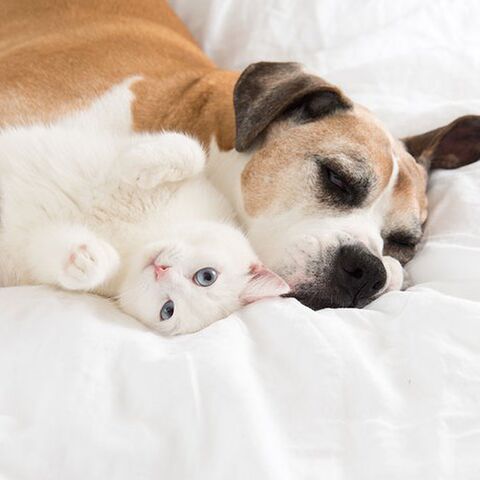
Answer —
328 198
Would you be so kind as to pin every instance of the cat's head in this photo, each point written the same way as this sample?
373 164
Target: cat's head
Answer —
198 274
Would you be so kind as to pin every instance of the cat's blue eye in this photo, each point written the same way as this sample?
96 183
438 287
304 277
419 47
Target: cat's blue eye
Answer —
167 310
205 277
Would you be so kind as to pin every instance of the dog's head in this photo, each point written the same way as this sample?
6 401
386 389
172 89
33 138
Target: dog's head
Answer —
331 200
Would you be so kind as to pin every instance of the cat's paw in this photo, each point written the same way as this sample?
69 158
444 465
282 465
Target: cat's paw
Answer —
160 158
88 265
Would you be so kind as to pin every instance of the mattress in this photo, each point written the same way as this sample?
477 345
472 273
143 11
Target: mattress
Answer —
277 391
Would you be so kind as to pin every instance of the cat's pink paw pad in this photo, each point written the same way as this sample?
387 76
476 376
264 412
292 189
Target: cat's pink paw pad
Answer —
88 266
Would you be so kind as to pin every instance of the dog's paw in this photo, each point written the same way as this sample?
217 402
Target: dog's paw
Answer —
160 158
88 265
395 274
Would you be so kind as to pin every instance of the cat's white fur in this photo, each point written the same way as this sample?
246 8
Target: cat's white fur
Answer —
125 215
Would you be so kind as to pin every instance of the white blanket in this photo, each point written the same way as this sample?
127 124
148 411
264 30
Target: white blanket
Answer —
278 391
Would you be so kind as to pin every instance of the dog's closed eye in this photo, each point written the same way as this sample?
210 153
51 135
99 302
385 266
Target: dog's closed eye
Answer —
337 180
403 240
343 190
401 245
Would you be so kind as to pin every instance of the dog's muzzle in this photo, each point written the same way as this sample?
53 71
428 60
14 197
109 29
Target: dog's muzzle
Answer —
353 279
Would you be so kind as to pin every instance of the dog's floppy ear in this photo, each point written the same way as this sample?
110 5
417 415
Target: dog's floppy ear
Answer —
452 146
266 90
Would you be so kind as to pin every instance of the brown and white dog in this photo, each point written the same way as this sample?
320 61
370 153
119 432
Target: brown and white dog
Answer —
329 198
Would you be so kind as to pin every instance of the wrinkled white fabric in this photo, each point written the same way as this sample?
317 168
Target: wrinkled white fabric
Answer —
278 391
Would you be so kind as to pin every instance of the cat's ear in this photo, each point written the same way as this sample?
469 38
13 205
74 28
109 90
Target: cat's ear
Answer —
263 283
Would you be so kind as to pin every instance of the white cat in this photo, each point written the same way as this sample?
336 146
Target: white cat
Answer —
129 217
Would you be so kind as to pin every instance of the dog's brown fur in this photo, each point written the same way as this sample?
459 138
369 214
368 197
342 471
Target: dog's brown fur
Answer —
56 56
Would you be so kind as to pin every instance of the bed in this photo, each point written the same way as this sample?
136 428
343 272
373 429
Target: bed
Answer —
277 391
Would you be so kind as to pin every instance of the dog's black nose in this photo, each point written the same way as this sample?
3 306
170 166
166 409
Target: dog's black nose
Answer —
360 273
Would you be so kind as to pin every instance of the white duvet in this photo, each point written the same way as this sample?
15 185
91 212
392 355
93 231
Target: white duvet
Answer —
278 391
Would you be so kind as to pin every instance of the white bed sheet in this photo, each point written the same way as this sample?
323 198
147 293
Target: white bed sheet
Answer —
278 391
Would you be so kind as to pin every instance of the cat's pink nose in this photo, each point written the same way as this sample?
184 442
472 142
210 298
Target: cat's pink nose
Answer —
160 270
